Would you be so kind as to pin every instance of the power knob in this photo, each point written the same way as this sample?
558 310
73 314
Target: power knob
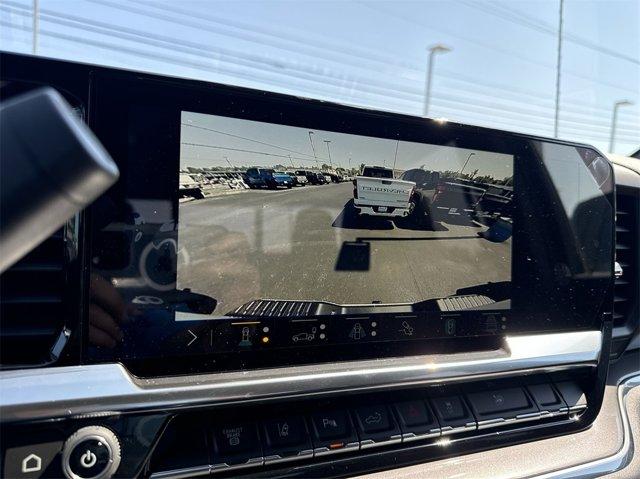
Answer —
92 452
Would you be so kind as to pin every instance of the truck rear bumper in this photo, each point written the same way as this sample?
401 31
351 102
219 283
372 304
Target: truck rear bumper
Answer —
391 211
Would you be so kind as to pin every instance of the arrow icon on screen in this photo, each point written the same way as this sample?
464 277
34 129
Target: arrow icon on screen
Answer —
194 337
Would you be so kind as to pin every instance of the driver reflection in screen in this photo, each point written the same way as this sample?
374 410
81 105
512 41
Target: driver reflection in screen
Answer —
106 313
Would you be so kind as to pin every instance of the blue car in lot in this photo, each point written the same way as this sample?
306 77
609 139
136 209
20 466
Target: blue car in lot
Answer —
268 178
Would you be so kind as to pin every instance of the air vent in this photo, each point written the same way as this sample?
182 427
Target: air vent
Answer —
625 309
31 305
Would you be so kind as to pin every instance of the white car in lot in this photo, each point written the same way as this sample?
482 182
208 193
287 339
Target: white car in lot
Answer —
377 193
298 180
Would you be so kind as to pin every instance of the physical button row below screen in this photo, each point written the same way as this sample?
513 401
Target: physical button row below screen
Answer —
337 430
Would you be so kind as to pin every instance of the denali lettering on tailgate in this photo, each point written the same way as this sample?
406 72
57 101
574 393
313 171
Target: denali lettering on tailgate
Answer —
396 191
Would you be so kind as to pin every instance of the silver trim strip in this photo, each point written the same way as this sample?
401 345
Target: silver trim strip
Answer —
370 443
448 430
411 436
276 458
63 392
612 463
182 473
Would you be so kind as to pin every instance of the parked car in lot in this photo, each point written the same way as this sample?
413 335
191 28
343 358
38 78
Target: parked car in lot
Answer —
298 180
313 177
377 193
320 178
335 177
266 177
437 197
189 187
426 182
496 201
455 196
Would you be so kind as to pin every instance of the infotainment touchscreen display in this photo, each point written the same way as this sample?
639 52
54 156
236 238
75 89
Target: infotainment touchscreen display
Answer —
249 231
318 216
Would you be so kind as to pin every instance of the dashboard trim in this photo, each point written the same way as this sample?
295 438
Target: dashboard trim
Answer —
182 473
617 461
109 389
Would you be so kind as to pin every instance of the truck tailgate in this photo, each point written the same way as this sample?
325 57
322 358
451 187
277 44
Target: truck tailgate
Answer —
383 192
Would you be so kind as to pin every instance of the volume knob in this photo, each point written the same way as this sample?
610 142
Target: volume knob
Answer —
92 452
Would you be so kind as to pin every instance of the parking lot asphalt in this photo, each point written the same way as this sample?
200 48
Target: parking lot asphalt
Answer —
308 244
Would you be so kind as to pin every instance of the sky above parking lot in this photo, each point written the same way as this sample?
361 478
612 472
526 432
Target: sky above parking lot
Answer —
208 140
500 73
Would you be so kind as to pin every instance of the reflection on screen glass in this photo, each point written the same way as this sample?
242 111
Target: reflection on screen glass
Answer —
269 211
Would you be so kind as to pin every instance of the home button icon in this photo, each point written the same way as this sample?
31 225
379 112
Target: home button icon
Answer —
31 463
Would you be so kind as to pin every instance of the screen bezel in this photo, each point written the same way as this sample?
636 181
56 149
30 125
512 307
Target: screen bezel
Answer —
114 95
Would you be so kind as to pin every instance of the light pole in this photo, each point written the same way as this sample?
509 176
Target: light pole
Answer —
313 147
395 156
329 152
36 26
556 123
614 120
291 161
465 163
438 48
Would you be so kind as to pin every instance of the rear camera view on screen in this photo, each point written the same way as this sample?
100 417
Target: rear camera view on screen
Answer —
276 212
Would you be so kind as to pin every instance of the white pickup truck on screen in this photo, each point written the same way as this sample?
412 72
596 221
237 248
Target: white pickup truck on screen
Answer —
377 193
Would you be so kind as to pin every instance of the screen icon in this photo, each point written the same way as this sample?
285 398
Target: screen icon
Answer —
357 332
304 336
450 326
406 329
245 333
